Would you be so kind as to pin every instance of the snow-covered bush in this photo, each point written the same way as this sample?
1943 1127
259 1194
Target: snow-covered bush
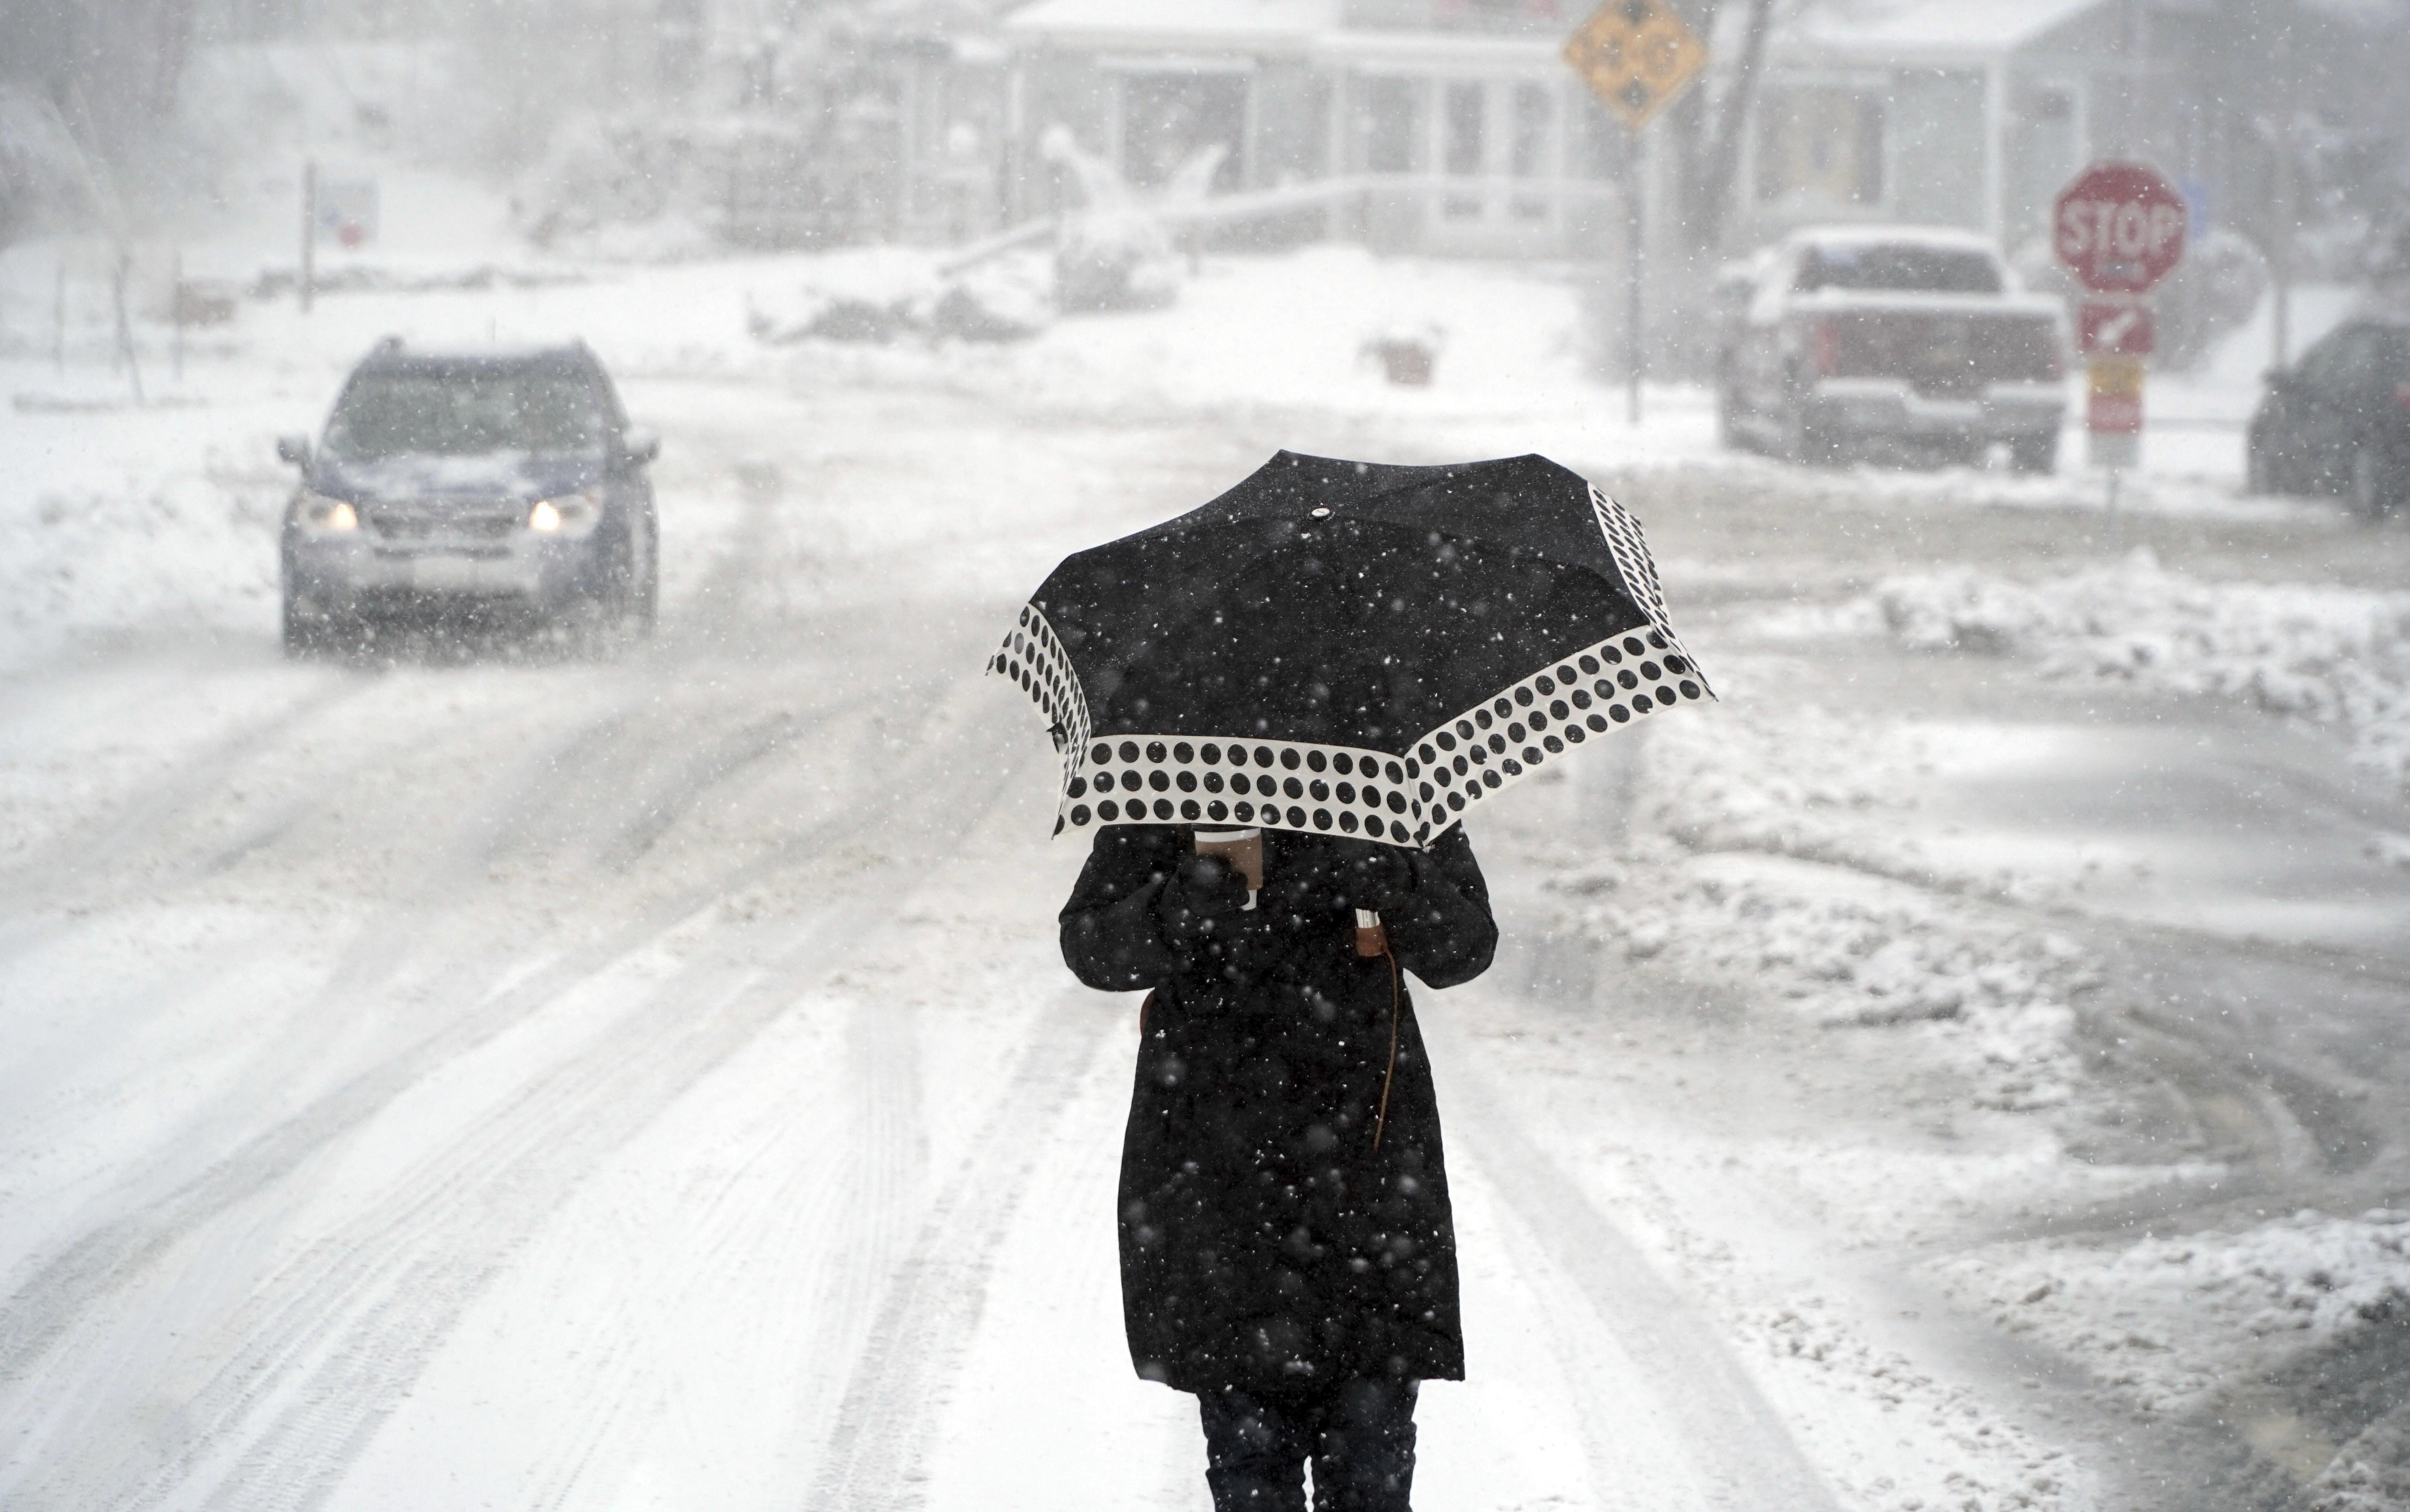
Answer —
1114 259
888 293
597 172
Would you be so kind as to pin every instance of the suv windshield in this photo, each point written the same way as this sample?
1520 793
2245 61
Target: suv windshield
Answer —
464 414
1898 266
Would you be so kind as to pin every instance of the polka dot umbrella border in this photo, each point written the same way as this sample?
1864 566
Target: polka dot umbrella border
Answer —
1400 797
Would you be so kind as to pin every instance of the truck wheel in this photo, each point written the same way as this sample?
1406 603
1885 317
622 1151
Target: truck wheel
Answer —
1811 445
2374 485
2033 454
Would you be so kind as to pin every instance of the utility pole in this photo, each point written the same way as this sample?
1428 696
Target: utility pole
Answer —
2284 193
308 233
1637 56
1635 338
125 321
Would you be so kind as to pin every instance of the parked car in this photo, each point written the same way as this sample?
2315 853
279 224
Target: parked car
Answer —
2338 421
452 485
1839 341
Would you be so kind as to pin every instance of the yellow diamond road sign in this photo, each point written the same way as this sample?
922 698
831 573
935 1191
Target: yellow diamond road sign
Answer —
1638 56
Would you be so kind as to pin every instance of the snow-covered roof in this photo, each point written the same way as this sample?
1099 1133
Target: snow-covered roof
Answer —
1194 23
1929 28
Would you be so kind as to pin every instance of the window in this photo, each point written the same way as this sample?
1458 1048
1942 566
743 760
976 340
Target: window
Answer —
1819 146
1464 146
1391 122
1534 106
1896 264
1463 149
466 413
1599 145
1167 119
2350 361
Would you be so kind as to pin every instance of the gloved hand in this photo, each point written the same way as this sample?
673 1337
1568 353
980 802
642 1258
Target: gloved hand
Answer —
1370 875
1201 898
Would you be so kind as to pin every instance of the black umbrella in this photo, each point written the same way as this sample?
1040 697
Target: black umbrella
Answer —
1347 648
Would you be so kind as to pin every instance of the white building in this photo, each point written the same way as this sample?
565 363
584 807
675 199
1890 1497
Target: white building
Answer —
1456 127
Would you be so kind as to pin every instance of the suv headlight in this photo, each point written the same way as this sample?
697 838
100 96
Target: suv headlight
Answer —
322 516
571 514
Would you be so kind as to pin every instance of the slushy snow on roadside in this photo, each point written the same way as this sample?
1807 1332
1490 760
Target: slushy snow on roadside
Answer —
2169 1321
2338 657
1773 885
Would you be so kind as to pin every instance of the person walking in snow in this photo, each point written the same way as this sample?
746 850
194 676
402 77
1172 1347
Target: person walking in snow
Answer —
1288 1251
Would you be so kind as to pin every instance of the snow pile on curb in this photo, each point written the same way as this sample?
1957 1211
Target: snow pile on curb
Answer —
2371 1473
2190 1312
1809 1335
1788 897
145 538
1802 783
1845 948
2336 656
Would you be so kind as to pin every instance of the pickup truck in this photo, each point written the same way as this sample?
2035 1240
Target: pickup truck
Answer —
1842 340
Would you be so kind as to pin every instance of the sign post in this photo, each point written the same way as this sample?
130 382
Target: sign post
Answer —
308 233
1636 56
2120 228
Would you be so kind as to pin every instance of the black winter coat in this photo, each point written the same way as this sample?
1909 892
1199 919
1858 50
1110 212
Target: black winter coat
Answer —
1265 1244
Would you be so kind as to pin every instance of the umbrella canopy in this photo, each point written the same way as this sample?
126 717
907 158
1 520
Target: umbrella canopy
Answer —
1343 647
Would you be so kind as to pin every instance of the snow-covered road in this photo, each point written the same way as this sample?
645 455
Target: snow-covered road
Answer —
525 1082
500 1080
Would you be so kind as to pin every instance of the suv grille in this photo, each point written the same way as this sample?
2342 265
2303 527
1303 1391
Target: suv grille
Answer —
411 525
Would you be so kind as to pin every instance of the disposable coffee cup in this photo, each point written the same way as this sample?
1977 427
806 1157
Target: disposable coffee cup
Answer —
1242 851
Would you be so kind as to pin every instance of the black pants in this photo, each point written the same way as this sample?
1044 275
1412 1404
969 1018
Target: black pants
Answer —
1360 1437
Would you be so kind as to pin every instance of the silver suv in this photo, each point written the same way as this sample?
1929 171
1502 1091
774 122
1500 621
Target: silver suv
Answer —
451 486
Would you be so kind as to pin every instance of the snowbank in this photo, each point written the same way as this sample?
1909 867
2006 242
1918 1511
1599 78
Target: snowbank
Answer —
1787 894
1842 948
2338 657
880 293
2168 1321
121 519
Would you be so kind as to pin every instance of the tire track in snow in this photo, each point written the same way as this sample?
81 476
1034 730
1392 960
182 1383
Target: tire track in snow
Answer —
1740 1452
628 1391
73 856
42 1307
930 1304
345 1410
418 925
674 797
461 1213
83 855
882 1164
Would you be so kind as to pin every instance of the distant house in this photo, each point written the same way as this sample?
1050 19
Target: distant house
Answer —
1451 125
1454 126
1963 114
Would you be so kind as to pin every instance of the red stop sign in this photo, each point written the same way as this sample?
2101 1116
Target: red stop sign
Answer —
2120 227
